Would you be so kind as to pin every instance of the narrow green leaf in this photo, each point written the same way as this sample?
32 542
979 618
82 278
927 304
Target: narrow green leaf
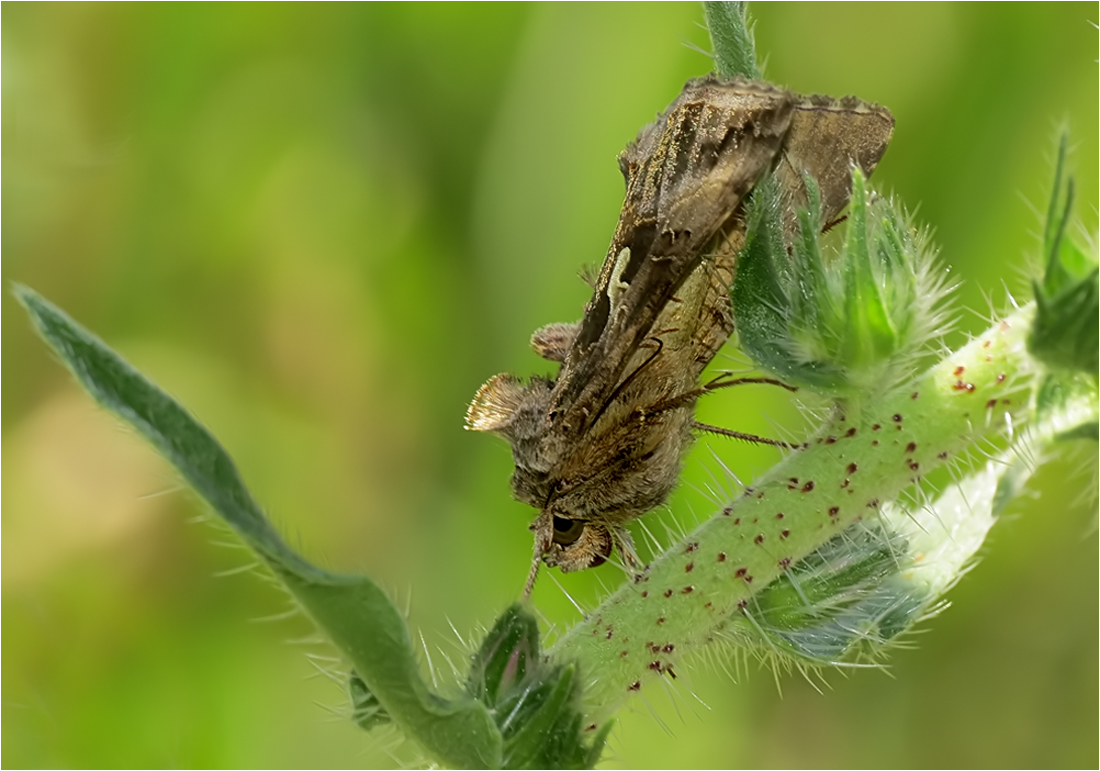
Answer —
507 656
356 614
871 332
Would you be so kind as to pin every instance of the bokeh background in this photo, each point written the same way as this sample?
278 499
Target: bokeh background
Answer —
322 227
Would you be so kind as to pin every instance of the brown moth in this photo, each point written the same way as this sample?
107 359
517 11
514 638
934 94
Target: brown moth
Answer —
603 443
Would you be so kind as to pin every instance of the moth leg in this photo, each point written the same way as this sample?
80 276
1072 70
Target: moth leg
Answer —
722 382
553 341
624 543
753 438
688 397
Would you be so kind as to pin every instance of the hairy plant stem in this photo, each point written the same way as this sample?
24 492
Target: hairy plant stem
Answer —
857 459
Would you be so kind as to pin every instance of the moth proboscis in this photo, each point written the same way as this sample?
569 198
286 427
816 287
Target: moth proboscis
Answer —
603 442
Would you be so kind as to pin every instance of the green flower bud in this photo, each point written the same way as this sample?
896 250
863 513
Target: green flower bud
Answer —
843 322
535 704
1065 332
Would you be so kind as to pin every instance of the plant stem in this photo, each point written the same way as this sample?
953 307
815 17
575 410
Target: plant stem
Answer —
734 52
678 604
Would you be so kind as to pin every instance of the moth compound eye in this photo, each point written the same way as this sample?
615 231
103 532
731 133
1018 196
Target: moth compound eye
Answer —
567 531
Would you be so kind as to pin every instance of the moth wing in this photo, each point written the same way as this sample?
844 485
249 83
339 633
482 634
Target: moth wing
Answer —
827 136
686 175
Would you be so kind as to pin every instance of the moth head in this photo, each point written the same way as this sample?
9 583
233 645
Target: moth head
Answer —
571 544
575 544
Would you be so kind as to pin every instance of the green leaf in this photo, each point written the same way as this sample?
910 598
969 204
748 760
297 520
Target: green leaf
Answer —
507 657
1066 331
355 613
871 332
761 304
536 703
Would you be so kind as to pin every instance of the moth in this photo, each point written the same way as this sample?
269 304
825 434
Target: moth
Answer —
603 442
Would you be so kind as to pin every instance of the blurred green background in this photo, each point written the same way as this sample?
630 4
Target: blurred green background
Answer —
322 227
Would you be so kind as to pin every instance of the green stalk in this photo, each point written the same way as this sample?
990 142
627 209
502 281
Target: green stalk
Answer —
854 464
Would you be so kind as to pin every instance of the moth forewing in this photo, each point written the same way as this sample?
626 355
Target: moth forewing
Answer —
827 136
603 443
685 175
